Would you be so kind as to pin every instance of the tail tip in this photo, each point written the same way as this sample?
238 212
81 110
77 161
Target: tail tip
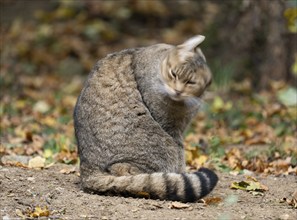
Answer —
212 176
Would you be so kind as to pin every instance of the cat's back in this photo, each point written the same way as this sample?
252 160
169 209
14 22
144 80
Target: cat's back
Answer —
120 67
152 55
115 63
129 57
110 80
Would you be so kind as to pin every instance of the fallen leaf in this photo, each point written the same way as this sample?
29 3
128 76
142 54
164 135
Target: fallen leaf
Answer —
178 205
15 160
38 212
67 157
288 96
18 164
49 165
143 195
37 162
211 200
68 170
292 170
49 121
239 185
251 184
292 200
295 194
256 193
92 216
41 106
200 161
234 173
251 178
19 213
219 105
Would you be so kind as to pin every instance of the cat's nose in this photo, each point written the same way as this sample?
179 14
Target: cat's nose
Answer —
177 92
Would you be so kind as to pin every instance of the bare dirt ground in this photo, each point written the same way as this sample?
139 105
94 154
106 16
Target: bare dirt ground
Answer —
23 189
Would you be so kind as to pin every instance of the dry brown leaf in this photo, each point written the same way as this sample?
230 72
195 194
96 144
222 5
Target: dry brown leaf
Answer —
37 162
292 170
18 164
211 200
293 200
66 157
200 161
15 160
179 205
68 170
19 213
290 202
49 165
295 194
251 178
143 195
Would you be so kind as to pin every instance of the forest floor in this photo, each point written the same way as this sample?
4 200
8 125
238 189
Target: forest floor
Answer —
55 192
240 132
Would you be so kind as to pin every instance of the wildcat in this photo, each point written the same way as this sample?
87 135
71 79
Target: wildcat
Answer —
130 117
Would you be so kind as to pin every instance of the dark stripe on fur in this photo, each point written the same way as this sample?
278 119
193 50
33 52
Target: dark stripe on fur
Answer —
171 189
189 192
208 180
203 184
150 188
213 178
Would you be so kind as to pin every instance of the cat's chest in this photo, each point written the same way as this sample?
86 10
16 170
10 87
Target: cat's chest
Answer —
172 116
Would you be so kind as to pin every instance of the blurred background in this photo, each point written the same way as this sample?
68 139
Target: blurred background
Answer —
249 117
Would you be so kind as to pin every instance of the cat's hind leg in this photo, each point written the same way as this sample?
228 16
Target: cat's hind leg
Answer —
123 169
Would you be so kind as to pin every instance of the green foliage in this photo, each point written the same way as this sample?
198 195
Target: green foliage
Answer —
223 74
225 112
216 148
288 96
294 67
291 16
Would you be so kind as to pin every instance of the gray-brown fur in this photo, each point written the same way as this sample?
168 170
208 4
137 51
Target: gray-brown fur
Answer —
129 131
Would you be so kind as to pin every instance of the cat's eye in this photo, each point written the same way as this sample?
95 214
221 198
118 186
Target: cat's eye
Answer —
190 82
173 74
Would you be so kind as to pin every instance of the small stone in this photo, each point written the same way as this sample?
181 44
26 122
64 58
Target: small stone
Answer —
6 217
32 179
284 217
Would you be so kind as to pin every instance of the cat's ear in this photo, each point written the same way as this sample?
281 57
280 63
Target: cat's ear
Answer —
199 51
191 44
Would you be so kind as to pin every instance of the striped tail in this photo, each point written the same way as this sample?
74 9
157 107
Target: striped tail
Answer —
187 187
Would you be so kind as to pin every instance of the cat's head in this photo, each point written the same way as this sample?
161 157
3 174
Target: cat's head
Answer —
184 71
